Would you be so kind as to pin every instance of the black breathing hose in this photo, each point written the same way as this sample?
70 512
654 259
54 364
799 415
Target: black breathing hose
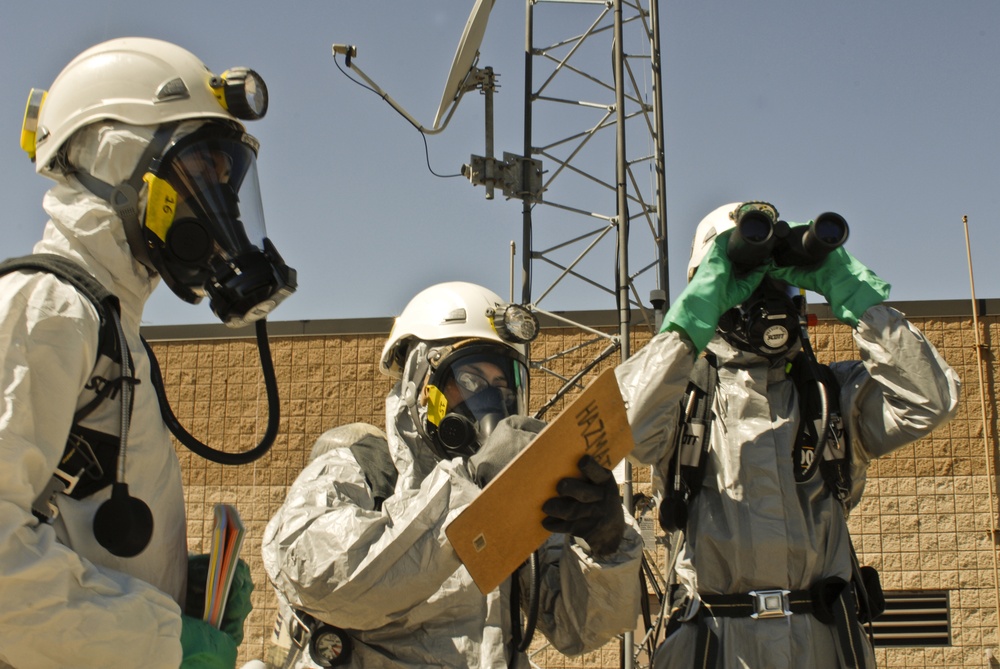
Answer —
205 451
536 580
520 639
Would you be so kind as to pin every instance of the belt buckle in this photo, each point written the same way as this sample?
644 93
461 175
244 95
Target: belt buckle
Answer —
770 604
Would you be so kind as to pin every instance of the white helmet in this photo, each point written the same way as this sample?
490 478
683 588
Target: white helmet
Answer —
457 310
718 221
139 81
463 350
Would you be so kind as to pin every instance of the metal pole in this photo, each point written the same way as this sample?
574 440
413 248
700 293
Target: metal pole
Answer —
660 156
980 352
622 280
621 176
526 204
513 252
489 85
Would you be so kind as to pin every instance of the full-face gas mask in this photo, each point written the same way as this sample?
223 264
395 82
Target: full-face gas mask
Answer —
767 323
203 225
471 386
191 208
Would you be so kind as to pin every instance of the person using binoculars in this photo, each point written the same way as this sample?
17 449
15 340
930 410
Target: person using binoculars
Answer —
759 451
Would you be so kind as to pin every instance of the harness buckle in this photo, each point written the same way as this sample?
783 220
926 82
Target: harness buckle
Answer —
770 604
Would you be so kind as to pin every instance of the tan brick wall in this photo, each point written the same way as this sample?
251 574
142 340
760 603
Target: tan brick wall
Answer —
924 522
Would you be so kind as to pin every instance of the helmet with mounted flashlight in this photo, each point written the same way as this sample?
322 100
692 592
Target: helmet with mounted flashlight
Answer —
142 130
191 207
471 366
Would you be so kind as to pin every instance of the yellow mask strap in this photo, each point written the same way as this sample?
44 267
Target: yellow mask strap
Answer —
437 405
161 205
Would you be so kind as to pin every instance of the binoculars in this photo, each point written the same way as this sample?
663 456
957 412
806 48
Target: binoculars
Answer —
757 238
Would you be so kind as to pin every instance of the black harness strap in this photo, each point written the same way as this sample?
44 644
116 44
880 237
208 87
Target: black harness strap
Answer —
831 601
819 442
691 443
91 288
808 448
89 459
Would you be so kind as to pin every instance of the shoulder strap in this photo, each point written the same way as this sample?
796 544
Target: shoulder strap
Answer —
807 451
687 465
372 453
89 457
820 443
836 465
87 285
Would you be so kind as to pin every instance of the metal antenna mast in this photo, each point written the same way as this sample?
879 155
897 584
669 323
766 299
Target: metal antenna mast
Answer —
591 176
593 90
617 106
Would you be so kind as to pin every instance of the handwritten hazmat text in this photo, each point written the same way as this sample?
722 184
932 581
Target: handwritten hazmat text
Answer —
595 437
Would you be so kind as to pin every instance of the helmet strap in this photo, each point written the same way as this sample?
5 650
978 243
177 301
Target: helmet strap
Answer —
416 370
124 198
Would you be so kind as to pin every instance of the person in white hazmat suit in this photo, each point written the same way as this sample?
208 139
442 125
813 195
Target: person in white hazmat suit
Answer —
147 152
363 566
765 569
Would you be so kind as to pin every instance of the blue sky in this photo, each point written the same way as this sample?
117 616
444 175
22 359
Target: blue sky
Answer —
886 112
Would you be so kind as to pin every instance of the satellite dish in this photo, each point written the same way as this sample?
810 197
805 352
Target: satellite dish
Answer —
465 56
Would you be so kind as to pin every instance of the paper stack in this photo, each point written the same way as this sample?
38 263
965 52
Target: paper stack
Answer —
227 538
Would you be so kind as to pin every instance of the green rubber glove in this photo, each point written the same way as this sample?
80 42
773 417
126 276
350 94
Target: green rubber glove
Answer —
238 604
849 286
715 288
205 647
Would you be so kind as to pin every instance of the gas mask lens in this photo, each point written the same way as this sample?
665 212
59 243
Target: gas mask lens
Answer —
471 392
483 385
206 222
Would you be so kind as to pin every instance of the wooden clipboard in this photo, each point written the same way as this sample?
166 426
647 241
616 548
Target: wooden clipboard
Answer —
502 527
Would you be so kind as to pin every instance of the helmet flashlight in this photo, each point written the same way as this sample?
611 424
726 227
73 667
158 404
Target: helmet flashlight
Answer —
515 323
242 92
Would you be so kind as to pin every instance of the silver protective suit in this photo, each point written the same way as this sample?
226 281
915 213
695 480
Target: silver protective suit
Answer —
751 526
68 602
392 580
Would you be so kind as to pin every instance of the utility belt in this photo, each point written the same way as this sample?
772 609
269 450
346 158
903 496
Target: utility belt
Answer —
831 601
759 604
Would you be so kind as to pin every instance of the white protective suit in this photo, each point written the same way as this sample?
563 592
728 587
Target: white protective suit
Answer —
68 602
393 581
751 526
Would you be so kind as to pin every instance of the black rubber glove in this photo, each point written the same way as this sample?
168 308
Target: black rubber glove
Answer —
509 438
588 507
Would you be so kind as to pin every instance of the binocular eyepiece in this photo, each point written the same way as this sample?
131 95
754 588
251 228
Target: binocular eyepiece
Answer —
757 237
